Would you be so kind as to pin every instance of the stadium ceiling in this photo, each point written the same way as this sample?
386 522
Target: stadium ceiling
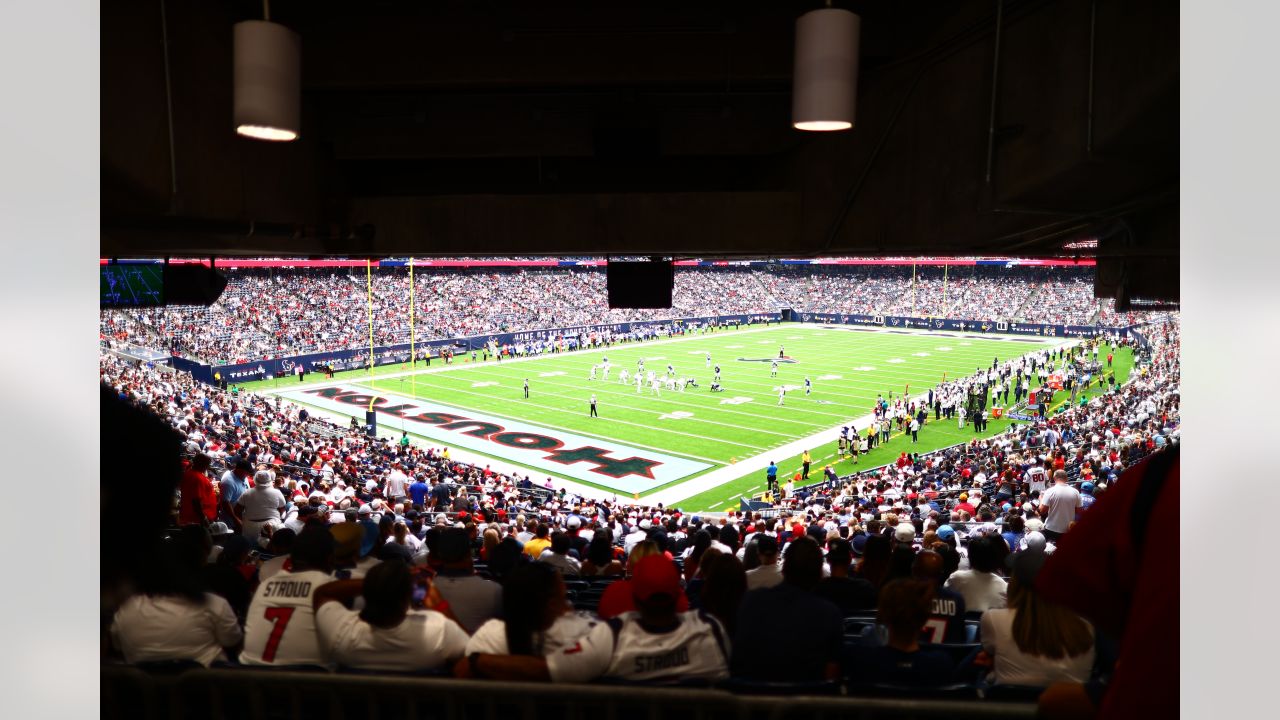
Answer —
646 127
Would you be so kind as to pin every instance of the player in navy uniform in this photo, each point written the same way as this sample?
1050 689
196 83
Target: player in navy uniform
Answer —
808 386
717 377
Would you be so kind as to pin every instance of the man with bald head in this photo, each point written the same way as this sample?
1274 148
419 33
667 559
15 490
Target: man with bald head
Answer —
946 616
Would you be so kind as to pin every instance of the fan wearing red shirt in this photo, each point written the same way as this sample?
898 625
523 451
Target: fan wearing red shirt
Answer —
199 503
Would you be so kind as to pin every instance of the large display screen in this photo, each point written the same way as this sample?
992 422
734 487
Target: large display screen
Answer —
131 285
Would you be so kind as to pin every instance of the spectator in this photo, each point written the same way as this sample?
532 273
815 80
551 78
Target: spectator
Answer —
600 561
618 597
387 634
557 555
790 615
723 584
540 541
172 618
198 503
259 505
846 591
980 586
946 611
536 618
278 548
280 628
768 574
474 600
901 661
1058 505
1033 641
874 565
655 644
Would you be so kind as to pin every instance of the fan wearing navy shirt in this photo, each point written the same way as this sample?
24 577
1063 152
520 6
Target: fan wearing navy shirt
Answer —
789 615
945 623
904 607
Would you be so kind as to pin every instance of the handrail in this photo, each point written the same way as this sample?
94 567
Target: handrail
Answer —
248 693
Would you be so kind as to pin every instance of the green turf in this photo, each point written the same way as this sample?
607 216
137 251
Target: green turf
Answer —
718 433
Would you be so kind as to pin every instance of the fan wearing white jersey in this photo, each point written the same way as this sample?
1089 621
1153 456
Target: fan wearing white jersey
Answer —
653 644
386 634
280 627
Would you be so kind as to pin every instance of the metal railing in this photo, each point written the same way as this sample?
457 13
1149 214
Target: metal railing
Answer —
240 693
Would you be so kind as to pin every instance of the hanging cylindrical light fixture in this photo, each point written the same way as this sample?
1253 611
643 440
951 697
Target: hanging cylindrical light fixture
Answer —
268 70
824 92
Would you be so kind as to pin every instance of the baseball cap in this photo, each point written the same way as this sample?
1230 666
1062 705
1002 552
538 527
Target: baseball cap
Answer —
655 575
905 532
946 532
859 544
575 522
1086 487
1034 541
219 529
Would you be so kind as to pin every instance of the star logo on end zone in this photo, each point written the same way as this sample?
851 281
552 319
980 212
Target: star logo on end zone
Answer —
594 460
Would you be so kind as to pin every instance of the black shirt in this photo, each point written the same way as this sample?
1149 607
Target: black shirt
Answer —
810 627
851 594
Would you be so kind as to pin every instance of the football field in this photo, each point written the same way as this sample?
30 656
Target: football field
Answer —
697 449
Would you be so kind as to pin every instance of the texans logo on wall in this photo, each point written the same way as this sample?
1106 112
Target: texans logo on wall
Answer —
287 365
894 321
938 323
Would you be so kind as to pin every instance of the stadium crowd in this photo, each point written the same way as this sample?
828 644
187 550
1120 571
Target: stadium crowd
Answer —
299 542
266 313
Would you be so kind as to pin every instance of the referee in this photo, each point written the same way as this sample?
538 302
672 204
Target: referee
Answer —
526 388
593 406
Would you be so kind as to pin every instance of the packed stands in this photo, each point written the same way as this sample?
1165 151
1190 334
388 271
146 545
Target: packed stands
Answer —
268 313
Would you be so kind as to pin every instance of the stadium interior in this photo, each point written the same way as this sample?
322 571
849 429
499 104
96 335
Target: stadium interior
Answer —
360 290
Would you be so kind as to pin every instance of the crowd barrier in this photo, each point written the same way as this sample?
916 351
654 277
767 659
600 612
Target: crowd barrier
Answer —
135 694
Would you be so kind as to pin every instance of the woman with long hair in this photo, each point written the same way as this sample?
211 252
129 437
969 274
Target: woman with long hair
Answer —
701 541
600 561
489 542
536 616
172 617
1035 642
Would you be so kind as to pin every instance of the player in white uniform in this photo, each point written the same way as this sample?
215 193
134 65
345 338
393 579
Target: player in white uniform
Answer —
280 627
773 371
654 643
653 385
651 376
639 382
782 393
708 360
593 373
623 376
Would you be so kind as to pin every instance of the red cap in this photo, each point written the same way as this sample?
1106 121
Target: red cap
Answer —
654 575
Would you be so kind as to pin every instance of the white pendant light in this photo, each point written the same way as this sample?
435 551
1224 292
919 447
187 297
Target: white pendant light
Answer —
268 68
824 92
